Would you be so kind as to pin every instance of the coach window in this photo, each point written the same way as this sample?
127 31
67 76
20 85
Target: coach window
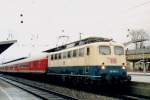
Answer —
81 52
88 51
118 50
104 50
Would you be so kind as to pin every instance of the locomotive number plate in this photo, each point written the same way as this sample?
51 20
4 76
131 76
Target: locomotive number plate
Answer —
113 71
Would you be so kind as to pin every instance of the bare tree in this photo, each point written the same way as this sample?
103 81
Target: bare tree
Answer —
138 37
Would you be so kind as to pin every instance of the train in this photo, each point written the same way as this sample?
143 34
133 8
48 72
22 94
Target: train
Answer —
90 60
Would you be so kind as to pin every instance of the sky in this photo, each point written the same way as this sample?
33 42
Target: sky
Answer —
44 20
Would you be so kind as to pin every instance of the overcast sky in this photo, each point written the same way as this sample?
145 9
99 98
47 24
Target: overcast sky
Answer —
44 20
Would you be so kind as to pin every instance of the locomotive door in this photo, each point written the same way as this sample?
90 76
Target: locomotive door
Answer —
87 59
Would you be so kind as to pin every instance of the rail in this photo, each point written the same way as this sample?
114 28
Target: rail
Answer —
135 91
37 90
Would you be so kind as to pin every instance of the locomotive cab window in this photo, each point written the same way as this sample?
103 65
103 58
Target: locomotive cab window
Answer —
104 50
118 50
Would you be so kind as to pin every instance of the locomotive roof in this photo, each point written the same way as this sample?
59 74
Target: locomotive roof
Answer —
79 43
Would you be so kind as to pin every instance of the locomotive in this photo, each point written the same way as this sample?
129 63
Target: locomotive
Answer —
93 59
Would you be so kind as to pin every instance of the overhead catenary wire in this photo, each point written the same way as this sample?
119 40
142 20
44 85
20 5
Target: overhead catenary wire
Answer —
138 5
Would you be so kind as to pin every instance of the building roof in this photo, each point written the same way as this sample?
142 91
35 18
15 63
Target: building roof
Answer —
6 44
138 51
18 59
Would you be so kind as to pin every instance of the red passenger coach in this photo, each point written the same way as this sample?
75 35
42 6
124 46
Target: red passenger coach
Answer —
39 66
29 65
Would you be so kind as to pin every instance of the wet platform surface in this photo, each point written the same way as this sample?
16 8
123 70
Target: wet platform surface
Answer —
10 92
140 77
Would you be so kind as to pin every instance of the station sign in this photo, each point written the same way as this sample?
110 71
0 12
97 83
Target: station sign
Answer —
138 56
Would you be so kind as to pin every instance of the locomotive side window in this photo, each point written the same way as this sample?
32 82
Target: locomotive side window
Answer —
52 57
81 52
59 56
64 55
118 50
55 56
104 50
88 51
75 53
69 54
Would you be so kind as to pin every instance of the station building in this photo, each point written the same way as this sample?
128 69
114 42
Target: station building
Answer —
4 45
138 60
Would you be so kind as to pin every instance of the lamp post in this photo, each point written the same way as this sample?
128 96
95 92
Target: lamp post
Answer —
144 67
80 36
63 36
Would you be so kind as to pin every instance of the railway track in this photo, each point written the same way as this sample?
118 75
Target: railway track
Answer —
37 90
62 93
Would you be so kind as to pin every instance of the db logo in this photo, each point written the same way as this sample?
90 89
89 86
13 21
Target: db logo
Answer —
112 60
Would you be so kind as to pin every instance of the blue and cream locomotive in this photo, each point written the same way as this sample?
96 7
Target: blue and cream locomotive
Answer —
94 59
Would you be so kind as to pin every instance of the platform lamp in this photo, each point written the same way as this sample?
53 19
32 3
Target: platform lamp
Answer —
21 15
80 35
63 36
128 36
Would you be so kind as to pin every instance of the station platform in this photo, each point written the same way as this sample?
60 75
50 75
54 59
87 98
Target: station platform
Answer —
140 77
10 92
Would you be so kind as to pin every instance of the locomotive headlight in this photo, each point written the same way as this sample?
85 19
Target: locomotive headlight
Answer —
123 66
103 67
